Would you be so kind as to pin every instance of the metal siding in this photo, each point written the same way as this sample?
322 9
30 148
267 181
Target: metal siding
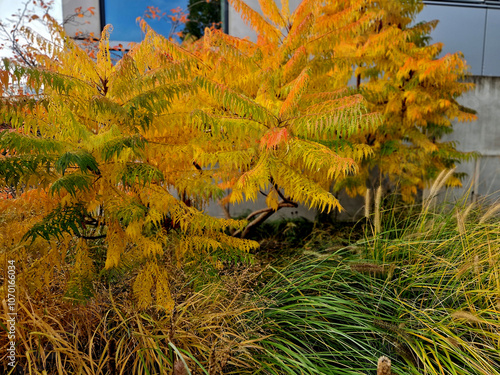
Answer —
459 29
491 64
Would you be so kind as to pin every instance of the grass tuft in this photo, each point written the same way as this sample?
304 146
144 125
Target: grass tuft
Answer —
417 294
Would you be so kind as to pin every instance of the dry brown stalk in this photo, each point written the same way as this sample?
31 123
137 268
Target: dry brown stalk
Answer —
436 186
384 366
367 203
467 316
368 268
378 199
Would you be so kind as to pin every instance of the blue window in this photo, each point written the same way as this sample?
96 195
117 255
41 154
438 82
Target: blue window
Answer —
122 14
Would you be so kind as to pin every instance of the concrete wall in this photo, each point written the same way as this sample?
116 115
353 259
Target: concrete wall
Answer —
482 136
472 27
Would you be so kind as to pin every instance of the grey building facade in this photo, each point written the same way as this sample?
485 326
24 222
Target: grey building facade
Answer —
473 28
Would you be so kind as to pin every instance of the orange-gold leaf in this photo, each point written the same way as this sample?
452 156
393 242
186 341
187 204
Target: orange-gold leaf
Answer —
274 137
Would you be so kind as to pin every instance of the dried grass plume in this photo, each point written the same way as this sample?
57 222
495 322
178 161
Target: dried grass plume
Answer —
492 211
378 199
384 366
367 203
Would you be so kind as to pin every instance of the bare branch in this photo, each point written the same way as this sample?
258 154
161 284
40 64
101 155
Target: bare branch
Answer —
263 213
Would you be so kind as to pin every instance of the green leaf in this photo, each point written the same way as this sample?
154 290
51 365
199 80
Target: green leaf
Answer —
141 174
26 144
116 146
389 147
79 158
130 212
61 220
72 183
14 169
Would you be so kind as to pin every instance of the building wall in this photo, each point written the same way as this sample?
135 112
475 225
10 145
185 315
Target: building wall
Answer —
86 25
471 27
237 26
482 136
352 207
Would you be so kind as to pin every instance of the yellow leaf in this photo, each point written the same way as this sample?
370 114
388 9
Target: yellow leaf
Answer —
272 199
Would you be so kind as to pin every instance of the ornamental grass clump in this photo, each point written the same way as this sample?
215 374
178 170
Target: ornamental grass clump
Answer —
425 299
106 334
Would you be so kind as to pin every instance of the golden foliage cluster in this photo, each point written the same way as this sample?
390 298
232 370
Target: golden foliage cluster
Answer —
131 153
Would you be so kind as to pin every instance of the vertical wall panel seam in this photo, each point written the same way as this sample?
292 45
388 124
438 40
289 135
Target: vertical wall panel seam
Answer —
484 41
